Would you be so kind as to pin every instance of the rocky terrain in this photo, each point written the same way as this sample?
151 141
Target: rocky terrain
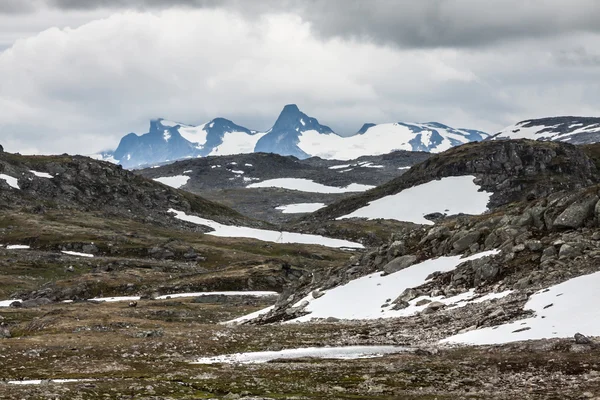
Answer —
541 230
225 179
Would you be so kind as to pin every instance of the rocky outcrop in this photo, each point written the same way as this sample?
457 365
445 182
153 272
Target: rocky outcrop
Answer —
514 171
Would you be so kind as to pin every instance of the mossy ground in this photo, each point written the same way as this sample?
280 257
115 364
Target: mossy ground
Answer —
145 352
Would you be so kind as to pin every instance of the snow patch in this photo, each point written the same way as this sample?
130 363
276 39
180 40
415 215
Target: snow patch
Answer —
41 174
250 317
450 195
12 182
342 353
340 166
300 208
17 247
264 235
166 136
7 303
173 181
74 253
306 185
39 381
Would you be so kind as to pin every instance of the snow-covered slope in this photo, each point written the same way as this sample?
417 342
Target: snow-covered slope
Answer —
556 309
294 133
450 195
381 139
574 130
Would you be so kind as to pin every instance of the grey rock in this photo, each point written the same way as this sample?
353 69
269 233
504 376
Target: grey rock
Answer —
582 339
90 248
466 241
35 302
575 215
399 263
567 251
534 245
408 295
397 248
433 307
549 253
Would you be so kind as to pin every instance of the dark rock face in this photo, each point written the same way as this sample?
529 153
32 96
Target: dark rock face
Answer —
159 144
165 142
283 138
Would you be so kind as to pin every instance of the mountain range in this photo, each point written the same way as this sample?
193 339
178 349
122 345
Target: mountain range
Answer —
294 133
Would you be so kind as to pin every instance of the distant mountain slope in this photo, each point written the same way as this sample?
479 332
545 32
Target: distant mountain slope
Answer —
294 133
574 130
225 179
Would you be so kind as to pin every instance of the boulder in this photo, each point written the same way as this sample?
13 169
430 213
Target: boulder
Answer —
549 253
575 215
466 241
399 263
567 251
433 307
582 339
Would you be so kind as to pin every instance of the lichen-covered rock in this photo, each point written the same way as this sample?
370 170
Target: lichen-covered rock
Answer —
575 215
399 263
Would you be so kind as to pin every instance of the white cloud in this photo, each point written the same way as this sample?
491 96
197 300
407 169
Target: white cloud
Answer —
81 89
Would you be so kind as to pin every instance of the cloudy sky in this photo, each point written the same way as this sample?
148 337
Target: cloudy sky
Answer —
76 75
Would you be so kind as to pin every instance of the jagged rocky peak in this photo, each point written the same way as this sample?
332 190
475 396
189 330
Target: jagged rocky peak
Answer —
285 136
292 120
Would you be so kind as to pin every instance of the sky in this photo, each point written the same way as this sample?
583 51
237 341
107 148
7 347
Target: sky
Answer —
77 75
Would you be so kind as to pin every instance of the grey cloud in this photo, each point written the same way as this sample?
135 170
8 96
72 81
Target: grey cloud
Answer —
578 57
17 6
406 23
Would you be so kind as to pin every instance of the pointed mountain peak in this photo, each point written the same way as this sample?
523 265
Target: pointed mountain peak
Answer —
292 119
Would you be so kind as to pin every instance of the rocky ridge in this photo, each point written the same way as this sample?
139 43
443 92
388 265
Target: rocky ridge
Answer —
513 171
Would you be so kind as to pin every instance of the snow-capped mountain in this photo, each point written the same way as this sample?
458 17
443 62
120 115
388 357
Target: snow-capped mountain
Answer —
294 133
170 141
574 130
291 127
373 139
